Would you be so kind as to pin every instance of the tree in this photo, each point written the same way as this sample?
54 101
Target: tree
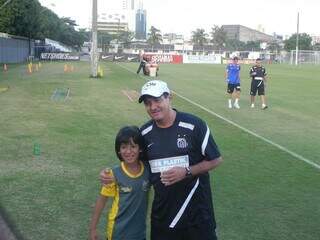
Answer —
316 47
29 19
155 37
126 37
104 39
274 46
304 42
252 46
235 45
219 37
199 37
21 18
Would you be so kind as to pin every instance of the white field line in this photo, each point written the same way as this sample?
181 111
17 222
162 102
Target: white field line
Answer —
128 96
298 156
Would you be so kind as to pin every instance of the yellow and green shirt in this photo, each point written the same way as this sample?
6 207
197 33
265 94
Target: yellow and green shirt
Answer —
127 217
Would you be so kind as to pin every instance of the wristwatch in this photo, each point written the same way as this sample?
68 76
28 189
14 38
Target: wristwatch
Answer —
188 172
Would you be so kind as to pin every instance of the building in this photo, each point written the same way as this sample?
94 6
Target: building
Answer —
118 10
112 27
172 38
245 34
141 24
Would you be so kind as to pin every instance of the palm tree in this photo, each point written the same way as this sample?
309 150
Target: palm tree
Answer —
219 37
155 36
199 37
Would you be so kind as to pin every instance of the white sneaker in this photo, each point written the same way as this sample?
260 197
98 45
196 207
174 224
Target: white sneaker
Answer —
230 105
236 105
252 105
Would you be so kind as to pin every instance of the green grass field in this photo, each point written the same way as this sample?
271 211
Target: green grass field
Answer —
260 191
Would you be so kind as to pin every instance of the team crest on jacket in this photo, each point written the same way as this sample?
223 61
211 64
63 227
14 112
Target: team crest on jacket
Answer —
182 142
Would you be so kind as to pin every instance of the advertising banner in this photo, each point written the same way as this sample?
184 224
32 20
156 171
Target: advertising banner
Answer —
210 59
165 58
59 56
241 61
120 57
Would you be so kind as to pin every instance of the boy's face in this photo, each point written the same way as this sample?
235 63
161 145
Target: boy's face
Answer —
129 152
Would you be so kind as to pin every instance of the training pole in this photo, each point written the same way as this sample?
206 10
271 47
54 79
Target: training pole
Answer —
94 52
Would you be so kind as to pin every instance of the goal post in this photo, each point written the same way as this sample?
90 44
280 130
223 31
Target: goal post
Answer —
305 57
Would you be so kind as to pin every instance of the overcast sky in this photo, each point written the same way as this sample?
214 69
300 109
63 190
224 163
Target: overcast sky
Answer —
184 16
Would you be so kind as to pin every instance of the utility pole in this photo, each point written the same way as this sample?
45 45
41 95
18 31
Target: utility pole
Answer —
94 52
297 40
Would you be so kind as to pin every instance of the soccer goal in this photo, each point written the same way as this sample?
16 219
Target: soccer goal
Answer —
305 57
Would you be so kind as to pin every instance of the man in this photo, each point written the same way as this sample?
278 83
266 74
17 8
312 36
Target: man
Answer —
232 76
180 151
143 62
259 77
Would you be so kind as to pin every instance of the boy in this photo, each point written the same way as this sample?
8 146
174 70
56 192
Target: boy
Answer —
127 217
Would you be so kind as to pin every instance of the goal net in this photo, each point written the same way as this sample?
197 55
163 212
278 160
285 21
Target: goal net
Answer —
305 57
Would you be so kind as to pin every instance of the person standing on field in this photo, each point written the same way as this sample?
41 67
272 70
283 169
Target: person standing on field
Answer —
232 76
128 191
259 78
180 151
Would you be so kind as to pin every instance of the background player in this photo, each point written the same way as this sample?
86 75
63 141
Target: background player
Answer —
232 76
259 77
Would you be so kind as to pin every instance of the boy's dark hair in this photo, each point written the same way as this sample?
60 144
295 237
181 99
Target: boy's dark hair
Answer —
124 136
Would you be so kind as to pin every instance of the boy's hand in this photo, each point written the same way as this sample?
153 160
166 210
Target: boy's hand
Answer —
106 176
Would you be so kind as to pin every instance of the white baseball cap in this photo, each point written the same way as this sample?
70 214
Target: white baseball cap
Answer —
154 88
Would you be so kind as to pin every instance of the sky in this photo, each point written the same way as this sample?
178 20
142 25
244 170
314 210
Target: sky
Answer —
185 16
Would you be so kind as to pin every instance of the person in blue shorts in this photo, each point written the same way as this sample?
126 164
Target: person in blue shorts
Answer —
232 76
129 191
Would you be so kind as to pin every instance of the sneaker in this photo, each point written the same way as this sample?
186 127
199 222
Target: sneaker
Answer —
236 105
252 105
264 107
230 105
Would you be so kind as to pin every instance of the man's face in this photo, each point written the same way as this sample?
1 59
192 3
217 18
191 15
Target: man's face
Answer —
158 108
258 62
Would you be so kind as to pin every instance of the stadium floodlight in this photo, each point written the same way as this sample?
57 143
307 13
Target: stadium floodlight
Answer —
94 52
3 5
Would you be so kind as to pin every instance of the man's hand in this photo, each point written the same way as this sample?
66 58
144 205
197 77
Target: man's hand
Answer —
106 176
173 175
